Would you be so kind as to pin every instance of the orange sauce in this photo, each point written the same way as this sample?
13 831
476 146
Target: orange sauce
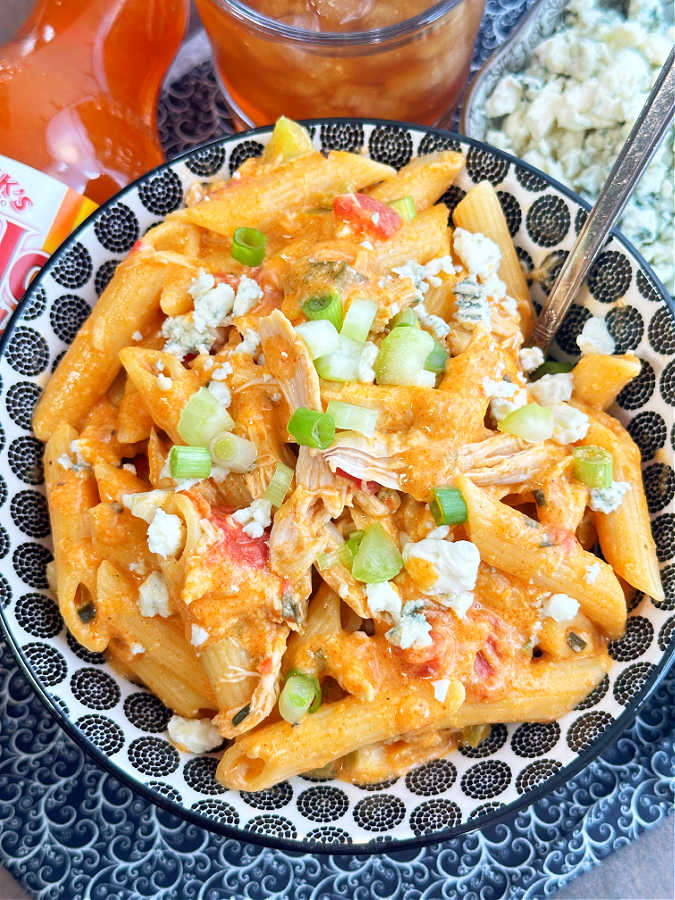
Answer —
79 87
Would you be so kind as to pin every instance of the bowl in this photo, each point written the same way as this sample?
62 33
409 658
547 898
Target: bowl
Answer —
123 727
414 68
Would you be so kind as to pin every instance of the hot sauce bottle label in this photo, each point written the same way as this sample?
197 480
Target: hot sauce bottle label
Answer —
36 214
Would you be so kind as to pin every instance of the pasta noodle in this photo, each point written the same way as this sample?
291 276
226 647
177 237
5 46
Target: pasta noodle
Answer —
300 481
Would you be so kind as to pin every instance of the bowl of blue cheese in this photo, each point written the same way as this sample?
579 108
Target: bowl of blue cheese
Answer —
563 93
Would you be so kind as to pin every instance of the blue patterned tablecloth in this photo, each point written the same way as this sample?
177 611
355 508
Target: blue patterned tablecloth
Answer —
69 830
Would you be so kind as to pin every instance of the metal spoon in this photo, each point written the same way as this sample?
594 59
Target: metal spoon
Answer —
644 139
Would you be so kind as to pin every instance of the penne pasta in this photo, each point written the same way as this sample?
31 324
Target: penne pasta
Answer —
599 378
357 557
481 211
128 304
423 179
301 183
625 534
553 559
271 754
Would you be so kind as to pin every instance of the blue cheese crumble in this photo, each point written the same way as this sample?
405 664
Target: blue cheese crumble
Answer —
569 112
606 500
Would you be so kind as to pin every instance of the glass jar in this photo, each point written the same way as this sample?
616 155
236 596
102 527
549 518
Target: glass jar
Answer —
414 69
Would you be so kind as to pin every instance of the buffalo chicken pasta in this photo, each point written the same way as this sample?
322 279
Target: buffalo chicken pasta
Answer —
307 483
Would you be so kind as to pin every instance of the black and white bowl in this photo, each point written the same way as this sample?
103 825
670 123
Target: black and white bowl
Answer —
124 727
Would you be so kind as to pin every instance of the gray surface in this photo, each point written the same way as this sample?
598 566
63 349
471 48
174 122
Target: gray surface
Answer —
643 870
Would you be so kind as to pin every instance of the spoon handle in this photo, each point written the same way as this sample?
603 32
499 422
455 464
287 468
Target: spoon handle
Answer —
646 135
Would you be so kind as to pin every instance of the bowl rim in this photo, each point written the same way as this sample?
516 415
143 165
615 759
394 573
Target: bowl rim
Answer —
528 798
333 40
514 37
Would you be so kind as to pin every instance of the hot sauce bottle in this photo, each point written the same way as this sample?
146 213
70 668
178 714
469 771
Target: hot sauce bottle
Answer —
79 87
78 96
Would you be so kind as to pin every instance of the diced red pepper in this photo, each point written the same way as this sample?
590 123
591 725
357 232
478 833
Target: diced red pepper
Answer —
367 214
370 487
482 669
239 546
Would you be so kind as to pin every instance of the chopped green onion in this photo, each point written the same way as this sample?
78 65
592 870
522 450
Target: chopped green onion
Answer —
248 246
350 417
448 506
279 484
474 734
87 613
531 422
377 558
593 466
233 452
358 319
189 462
405 318
550 367
202 417
353 543
405 207
300 695
320 336
311 428
239 717
343 364
539 497
325 306
575 642
341 556
436 360
289 139
402 355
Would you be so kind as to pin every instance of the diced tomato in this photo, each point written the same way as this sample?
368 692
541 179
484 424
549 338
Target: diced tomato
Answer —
265 667
239 546
432 660
367 214
561 537
137 246
370 487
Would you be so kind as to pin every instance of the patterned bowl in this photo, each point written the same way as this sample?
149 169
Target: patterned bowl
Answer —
123 726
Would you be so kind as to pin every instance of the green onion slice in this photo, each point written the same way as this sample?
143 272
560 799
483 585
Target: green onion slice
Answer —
343 363
325 306
405 318
248 246
239 717
402 356
279 484
575 642
189 462
342 555
359 319
550 367
377 558
531 422
353 542
311 428
448 506
474 734
320 336
202 417
350 417
233 452
593 465
87 613
405 207
436 360
300 695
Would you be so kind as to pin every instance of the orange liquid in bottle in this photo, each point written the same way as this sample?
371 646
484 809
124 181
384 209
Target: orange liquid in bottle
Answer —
79 87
